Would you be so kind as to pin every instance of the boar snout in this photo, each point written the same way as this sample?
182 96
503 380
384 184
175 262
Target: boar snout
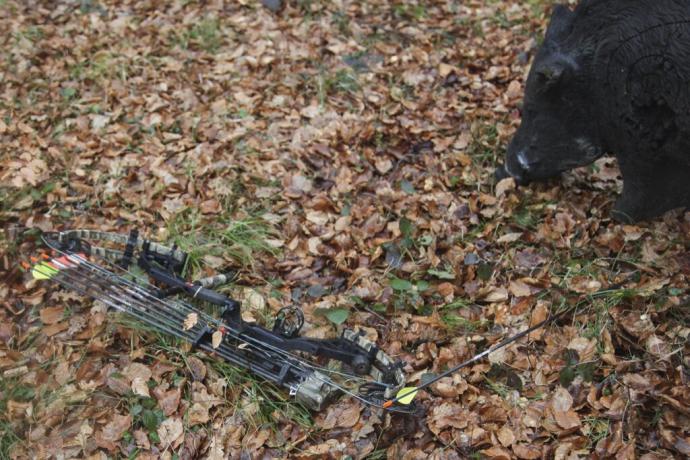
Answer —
516 166
501 173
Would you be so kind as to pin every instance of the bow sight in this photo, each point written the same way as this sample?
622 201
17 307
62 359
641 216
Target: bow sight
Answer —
313 370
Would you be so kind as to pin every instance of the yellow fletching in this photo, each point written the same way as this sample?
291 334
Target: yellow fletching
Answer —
43 272
406 395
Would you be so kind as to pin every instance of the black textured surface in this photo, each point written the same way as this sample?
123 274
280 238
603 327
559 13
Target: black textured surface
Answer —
612 77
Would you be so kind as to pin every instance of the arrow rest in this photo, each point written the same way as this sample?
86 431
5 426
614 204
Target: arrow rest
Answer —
289 321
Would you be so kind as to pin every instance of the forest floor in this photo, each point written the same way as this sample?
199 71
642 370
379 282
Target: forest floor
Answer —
338 155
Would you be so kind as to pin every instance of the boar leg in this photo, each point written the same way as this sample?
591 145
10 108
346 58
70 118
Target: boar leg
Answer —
649 190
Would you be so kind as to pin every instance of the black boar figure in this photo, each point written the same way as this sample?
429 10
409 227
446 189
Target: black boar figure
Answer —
613 76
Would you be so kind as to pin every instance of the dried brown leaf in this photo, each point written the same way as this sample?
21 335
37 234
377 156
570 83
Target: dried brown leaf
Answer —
216 339
496 453
495 294
447 415
198 414
567 419
527 451
197 368
139 387
190 321
520 289
504 185
137 370
506 436
169 401
113 431
52 315
170 433
342 415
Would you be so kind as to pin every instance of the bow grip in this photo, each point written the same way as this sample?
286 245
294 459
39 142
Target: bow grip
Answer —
199 292
196 291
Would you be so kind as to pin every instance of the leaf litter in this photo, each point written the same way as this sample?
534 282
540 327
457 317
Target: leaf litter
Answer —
357 142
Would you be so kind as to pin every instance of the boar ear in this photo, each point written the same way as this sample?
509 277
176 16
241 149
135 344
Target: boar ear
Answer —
560 24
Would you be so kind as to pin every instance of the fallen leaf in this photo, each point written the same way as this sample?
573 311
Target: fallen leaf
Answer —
343 416
113 430
317 217
496 295
447 415
99 121
539 314
562 450
636 324
52 315
198 414
383 165
252 300
139 387
638 382
519 289
169 401
657 346
210 207
682 445
446 69
561 400
170 433
506 436
216 339
527 451
528 259
137 370
496 453
504 185
197 368
514 89
190 321
567 419
585 348
142 439
510 237
56 328
254 440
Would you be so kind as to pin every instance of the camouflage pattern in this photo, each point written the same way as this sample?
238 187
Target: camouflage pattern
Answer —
114 254
215 280
316 391
382 362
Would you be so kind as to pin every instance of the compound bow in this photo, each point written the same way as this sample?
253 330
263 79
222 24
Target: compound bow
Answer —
313 370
